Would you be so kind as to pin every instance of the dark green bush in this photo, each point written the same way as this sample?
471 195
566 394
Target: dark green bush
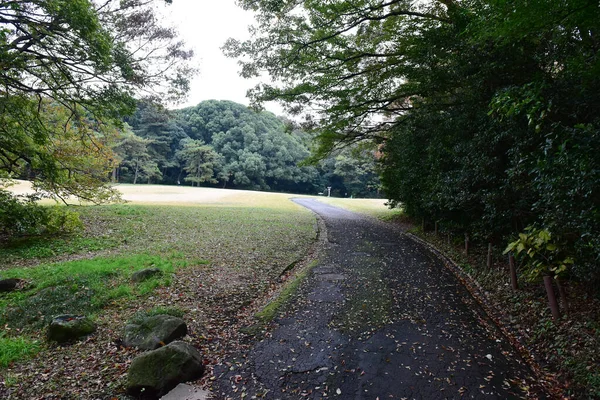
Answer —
23 216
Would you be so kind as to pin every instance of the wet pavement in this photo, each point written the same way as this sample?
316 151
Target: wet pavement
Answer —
378 317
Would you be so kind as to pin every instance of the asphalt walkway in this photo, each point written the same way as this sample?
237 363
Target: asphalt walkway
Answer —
379 317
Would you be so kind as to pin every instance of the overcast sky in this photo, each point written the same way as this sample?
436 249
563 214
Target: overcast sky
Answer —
205 25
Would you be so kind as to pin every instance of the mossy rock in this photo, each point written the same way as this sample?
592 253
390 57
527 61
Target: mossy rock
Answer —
156 372
69 328
143 274
154 332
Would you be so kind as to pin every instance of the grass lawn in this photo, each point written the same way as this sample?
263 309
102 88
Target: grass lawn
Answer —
221 253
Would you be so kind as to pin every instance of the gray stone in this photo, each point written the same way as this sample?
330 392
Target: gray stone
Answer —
186 392
69 328
8 285
154 332
143 274
155 373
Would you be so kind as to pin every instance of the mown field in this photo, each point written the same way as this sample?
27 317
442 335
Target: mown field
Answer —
222 253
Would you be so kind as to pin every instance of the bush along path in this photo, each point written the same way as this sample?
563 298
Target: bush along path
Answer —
379 316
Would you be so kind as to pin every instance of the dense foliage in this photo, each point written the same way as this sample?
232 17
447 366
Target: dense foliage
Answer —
487 110
226 144
23 216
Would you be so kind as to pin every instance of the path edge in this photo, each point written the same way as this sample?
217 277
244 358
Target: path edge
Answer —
495 315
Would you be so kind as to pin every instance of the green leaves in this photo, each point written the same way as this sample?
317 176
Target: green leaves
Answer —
540 255
201 161
69 72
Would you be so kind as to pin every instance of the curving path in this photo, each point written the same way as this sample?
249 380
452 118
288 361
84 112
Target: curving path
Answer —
379 317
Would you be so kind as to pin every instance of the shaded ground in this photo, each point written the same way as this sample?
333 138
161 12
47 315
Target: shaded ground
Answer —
379 317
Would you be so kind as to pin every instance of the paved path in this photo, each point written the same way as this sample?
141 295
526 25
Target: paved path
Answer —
379 317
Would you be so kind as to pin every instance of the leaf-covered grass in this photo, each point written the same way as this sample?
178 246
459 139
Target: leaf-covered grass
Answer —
17 348
220 233
235 246
78 287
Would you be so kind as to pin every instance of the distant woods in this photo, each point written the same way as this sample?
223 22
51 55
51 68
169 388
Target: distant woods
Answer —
225 144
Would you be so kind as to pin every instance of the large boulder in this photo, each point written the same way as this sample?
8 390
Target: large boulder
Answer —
154 332
8 285
143 274
155 373
69 328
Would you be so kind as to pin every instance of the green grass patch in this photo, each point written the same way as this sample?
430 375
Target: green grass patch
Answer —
16 349
45 247
269 234
79 287
270 310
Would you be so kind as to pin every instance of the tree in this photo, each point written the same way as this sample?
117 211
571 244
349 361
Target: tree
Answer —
135 157
347 59
154 122
89 59
357 168
200 160
256 150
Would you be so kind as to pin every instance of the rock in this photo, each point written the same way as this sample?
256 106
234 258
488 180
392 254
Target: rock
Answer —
143 274
68 328
185 392
8 285
153 332
156 372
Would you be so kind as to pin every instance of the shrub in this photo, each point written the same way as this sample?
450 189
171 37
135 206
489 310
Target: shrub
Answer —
22 216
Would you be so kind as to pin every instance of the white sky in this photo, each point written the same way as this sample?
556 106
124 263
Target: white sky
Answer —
205 25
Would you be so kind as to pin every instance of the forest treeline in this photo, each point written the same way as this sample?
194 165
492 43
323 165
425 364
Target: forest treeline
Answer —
225 144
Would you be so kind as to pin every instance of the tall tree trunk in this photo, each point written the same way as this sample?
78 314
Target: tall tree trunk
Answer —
137 169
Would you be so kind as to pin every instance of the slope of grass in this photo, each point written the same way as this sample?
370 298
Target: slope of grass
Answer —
78 287
13 349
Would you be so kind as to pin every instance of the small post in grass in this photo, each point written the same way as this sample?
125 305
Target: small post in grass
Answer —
513 272
489 256
466 244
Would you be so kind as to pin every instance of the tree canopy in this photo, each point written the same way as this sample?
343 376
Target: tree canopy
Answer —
486 111
87 61
226 144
